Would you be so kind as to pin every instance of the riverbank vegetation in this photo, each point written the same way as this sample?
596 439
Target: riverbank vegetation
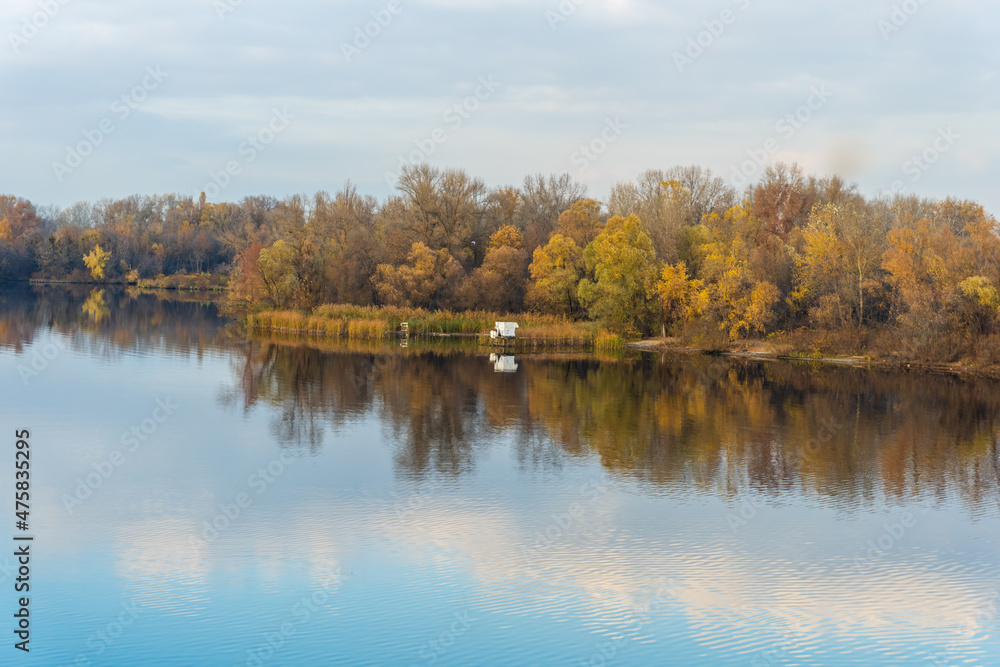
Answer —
804 262
369 322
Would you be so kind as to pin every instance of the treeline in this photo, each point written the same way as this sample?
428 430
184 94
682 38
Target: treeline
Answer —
676 251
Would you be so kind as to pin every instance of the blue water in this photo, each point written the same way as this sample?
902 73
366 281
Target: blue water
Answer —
413 506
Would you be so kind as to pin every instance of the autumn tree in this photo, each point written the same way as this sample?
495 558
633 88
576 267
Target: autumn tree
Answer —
982 311
276 268
842 258
302 254
738 261
232 226
781 199
621 272
581 222
670 202
345 228
61 253
499 283
681 297
428 279
542 201
662 207
742 303
96 261
21 232
248 287
556 270
935 272
442 209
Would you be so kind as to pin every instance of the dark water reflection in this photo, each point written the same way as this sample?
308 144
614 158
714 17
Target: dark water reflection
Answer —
840 434
771 513
113 319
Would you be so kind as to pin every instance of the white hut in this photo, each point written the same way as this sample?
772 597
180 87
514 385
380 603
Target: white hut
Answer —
504 330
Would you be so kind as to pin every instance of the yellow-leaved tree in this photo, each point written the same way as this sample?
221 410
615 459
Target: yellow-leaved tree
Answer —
556 269
96 260
682 297
621 269
427 279
277 271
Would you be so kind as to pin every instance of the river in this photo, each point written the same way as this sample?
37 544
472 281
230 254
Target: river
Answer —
201 498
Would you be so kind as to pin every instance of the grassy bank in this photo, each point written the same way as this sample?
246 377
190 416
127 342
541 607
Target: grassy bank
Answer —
369 322
178 281
851 347
186 281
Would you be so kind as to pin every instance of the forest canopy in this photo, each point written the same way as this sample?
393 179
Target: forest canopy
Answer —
673 252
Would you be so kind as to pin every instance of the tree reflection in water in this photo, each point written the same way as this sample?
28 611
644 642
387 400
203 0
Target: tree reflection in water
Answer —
721 426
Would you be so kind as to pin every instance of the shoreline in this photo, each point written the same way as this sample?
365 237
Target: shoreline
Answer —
661 346
672 346
121 284
569 343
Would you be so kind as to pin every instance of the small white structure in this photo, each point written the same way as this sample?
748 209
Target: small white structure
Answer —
504 330
504 363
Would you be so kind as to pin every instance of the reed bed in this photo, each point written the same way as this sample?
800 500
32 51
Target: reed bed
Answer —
608 343
185 281
372 322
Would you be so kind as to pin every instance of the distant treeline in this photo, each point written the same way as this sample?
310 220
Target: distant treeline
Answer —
676 251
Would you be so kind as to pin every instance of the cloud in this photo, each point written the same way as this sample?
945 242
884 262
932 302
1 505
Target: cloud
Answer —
608 57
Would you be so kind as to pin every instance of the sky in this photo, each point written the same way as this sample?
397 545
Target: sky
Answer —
238 97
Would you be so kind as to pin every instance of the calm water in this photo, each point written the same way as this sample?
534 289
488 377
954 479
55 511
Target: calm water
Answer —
201 499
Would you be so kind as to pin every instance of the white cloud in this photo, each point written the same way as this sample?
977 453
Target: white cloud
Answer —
610 57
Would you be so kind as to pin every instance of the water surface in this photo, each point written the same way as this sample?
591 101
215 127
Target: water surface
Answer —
287 503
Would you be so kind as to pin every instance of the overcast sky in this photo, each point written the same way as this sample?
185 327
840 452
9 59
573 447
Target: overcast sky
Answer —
183 84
